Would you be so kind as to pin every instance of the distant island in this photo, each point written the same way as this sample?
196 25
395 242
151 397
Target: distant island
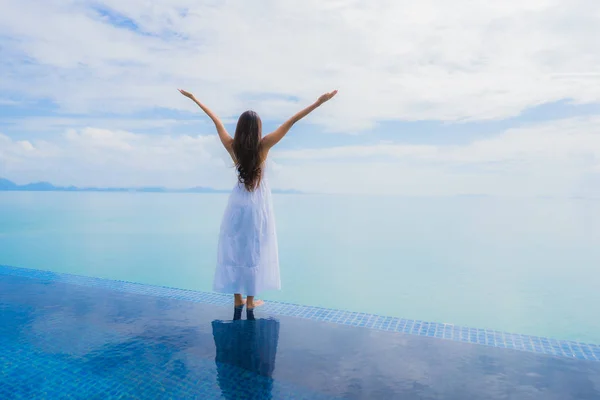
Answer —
9 186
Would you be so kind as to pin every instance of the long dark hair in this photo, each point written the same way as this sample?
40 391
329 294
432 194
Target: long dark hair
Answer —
247 150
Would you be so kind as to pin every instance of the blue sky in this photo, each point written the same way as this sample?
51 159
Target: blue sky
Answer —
499 99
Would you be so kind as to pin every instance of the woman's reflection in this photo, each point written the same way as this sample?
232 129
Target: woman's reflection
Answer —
245 360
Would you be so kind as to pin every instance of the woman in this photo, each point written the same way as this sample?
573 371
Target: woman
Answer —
247 259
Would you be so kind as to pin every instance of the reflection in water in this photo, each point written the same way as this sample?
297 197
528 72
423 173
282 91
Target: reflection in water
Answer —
245 360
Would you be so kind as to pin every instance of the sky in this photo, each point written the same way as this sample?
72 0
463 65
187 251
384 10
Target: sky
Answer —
436 97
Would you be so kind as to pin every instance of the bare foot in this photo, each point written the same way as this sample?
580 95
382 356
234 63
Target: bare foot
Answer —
255 303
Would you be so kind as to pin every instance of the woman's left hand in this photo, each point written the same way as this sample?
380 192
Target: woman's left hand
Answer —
326 97
186 94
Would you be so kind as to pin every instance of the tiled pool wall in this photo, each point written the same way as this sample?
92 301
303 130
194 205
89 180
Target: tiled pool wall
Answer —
534 344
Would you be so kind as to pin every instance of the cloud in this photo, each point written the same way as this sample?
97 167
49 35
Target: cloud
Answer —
101 157
563 140
391 60
53 124
561 158
106 71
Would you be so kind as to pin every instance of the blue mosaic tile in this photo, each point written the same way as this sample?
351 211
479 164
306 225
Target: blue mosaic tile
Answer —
486 337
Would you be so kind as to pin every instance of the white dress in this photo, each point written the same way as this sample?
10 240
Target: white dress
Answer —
247 257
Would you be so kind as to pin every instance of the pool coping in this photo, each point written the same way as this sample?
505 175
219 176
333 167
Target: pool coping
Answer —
486 337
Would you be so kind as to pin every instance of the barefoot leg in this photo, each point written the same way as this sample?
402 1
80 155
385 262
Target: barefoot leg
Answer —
238 300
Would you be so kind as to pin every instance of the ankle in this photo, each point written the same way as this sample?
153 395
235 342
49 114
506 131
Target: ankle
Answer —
238 300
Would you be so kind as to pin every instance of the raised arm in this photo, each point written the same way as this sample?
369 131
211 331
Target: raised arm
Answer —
274 137
226 139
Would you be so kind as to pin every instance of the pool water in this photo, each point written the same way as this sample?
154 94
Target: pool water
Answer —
60 339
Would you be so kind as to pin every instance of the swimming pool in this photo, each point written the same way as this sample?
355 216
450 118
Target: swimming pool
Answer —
65 336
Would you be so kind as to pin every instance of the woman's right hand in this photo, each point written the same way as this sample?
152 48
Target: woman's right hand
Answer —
326 97
186 94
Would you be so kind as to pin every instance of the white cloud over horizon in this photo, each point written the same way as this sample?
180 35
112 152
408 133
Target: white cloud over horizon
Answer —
92 78
556 159
113 158
560 158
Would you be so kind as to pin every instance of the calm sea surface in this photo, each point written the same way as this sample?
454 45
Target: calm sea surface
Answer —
529 266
